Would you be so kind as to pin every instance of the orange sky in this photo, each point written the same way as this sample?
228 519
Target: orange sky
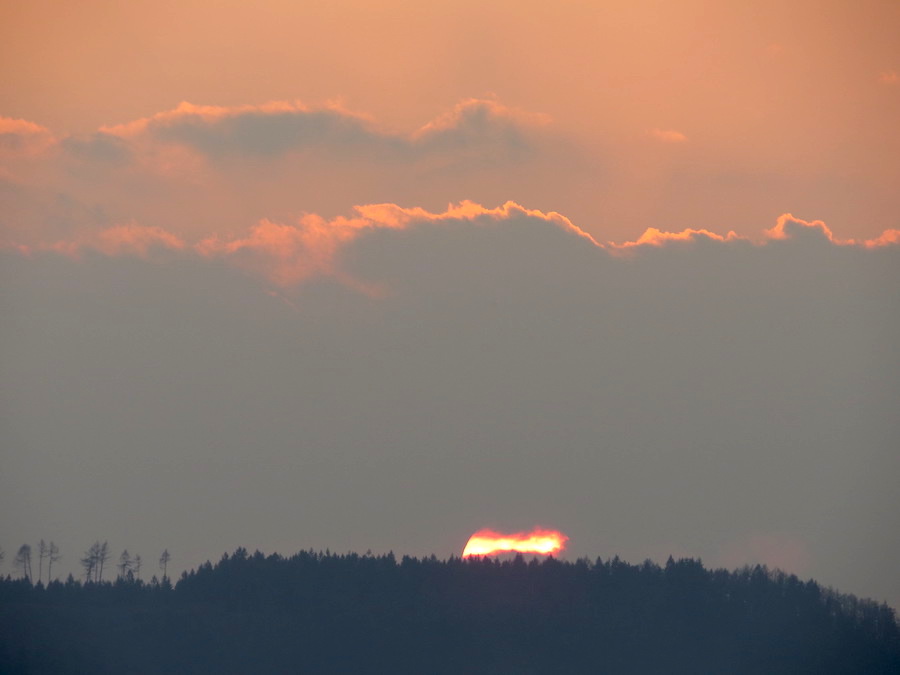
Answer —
666 115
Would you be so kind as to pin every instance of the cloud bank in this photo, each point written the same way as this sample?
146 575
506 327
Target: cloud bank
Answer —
290 254
198 171
316 383
213 170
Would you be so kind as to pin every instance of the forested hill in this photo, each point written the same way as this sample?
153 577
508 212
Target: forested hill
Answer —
326 613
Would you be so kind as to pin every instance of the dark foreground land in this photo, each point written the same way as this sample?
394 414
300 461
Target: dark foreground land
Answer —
326 613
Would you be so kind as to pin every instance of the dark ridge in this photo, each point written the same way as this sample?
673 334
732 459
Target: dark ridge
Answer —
326 613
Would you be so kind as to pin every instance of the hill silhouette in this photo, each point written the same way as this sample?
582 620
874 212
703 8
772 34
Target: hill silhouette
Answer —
322 612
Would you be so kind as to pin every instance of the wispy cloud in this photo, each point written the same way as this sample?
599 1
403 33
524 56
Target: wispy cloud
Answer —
667 135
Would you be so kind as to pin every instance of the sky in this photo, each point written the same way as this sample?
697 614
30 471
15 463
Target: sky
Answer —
347 276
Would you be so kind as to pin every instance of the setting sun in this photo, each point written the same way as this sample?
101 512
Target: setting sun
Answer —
488 542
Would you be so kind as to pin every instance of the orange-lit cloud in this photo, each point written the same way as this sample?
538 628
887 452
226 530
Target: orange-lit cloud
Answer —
270 128
667 80
480 112
99 147
480 127
278 127
189 113
654 237
21 137
888 238
196 170
789 227
136 240
287 254
786 227
668 135
123 240
489 542
394 216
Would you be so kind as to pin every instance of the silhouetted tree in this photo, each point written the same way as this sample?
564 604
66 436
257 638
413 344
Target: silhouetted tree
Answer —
43 552
125 565
102 558
54 556
23 561
137 563
93 560
89 561
164 563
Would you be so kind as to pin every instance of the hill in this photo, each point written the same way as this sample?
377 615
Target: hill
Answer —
321 612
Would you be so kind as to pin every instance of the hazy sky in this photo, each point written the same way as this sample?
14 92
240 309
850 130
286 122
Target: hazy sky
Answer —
238 310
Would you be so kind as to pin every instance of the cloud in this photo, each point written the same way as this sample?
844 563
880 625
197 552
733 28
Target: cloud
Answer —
887 238
789 227
128 239
289 254
474 127
34 216
99 147
269 129
484 128
889 77
198 170
136 240
21 137
655 237
667 135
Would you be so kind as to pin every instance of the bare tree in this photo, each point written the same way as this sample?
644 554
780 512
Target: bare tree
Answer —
164 562
136 563
102 558
43 552
91 561
23 561
125 566
54 556
2 555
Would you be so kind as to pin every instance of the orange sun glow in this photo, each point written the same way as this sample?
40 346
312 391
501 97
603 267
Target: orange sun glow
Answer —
488 542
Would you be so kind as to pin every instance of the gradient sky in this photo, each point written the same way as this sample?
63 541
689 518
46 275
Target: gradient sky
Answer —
286 276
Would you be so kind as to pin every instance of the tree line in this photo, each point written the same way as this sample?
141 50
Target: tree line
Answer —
93 563
325 612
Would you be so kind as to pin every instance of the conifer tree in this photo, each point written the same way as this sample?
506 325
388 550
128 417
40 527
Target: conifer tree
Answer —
23 561
164 563
54 556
